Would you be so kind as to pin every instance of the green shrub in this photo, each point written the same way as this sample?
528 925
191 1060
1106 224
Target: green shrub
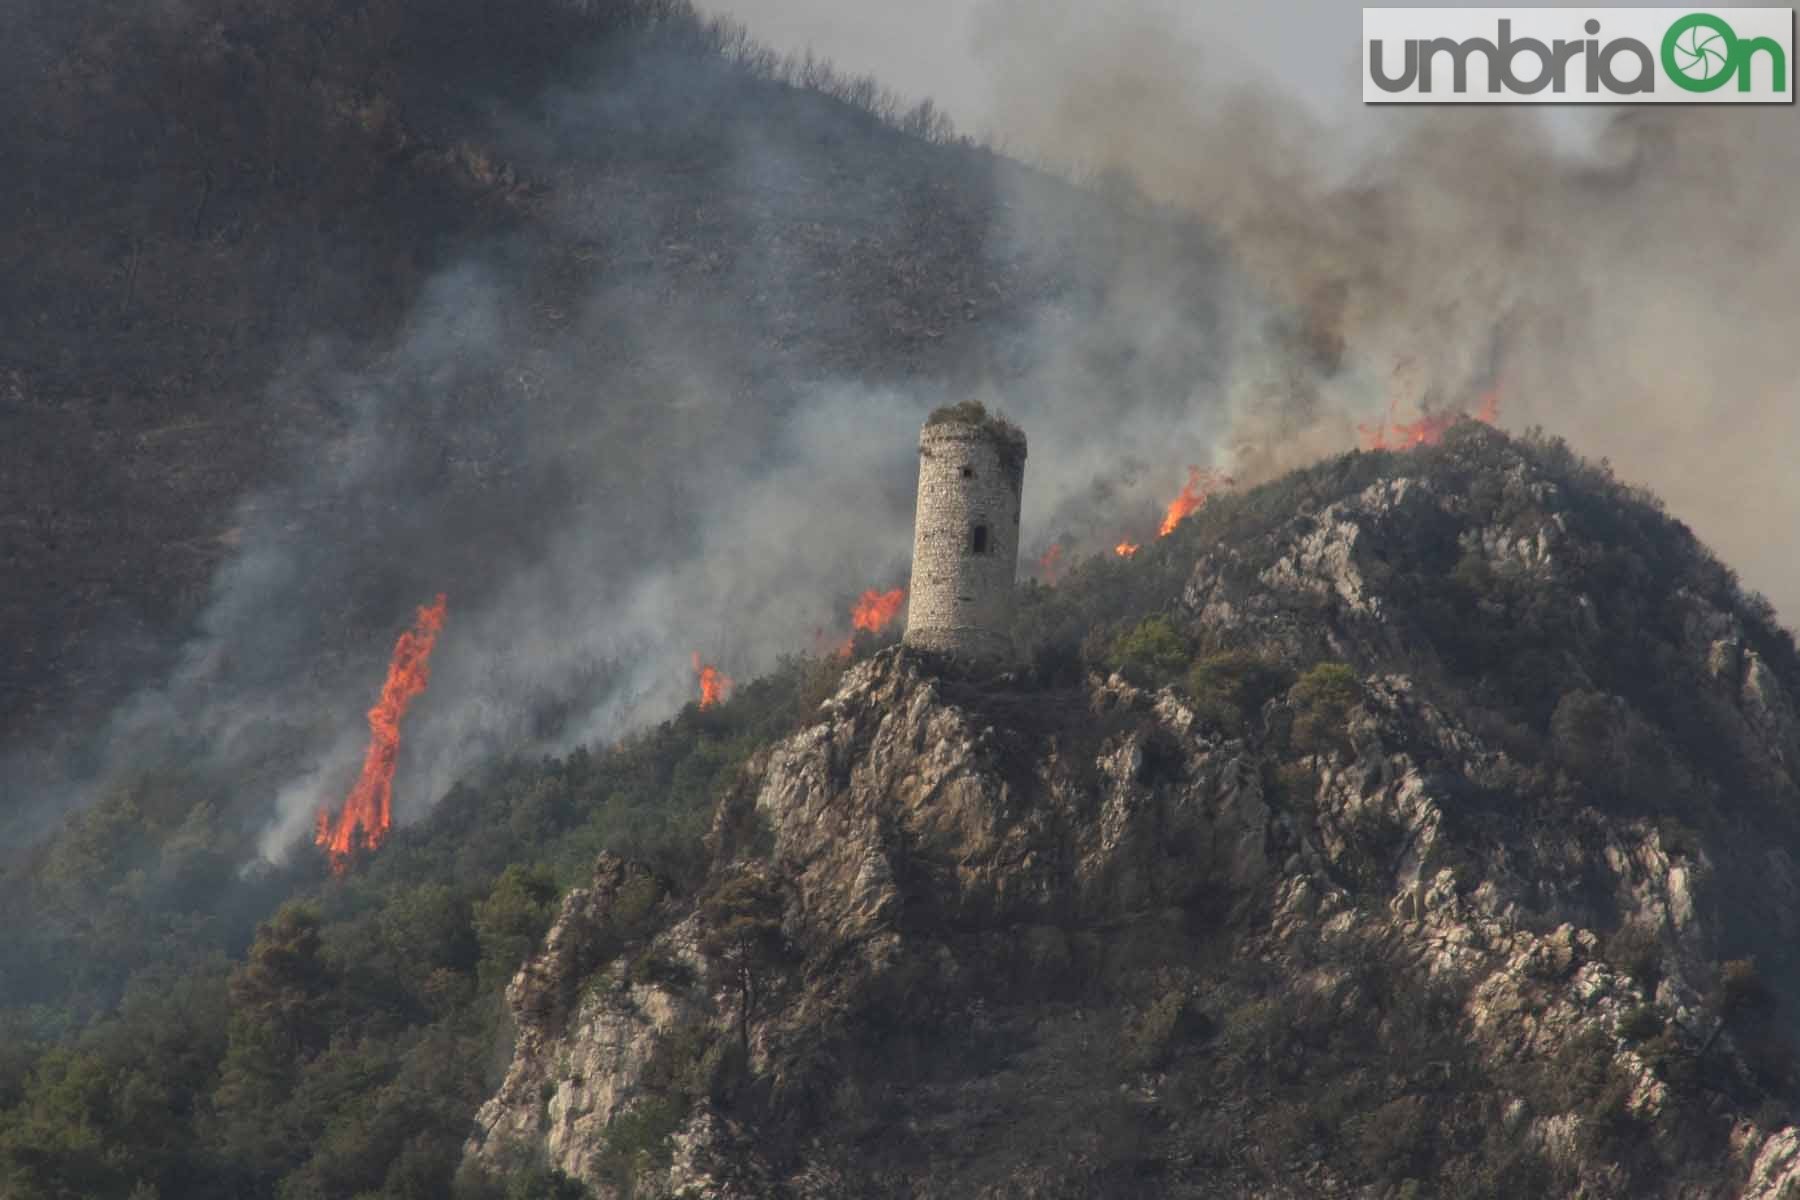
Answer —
1150 652
636 899
1229 689
637 1140
544 1183
974 412
1322 700
509 922
655 967
1150 1038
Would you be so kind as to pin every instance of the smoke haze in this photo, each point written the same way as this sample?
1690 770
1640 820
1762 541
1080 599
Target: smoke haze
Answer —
609 475
1624 274
1630 291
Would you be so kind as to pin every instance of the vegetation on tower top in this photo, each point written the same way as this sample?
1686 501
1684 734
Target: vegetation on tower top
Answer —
1008 437
975 413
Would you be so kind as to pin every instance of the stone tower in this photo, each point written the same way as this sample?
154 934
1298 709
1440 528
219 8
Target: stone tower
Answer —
966 533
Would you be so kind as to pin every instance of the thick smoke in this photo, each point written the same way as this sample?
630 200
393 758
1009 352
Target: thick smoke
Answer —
608 477
1633 294
693 534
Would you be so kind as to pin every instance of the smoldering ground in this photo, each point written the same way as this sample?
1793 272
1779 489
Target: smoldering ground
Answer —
695 432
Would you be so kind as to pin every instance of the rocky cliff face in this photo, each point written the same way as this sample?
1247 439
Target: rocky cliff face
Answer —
992 937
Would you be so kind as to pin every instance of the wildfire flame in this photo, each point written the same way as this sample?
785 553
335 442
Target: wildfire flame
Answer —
1050 565
1429 429
873 611
368 813
715 685
876 609
1125 549
1199 488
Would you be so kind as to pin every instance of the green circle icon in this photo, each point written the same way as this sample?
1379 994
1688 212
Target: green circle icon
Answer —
1699 52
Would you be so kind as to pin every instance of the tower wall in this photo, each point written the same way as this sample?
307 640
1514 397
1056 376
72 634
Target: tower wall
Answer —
965 539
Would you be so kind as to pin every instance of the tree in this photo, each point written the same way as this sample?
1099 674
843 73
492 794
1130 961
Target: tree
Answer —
1322 701
511 920
1152 651
1229 688
743 936
279 1019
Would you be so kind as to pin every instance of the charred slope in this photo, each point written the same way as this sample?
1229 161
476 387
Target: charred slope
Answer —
1432 833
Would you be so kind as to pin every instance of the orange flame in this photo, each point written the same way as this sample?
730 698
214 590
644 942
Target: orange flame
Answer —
368 811
1125 549
1429 429
876 609
1050 565
715 685
1198 489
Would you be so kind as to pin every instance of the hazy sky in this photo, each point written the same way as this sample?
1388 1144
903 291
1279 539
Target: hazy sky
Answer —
947 50
1484 238
944 48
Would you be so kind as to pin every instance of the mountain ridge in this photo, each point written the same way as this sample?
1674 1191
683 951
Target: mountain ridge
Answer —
1416 822
1340 842
987 976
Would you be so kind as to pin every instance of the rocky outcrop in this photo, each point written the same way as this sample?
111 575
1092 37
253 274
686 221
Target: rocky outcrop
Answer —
584 1031
924 860
929 868
1047 941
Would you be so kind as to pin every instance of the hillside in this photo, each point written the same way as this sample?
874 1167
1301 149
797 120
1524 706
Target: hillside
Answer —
311 283
1434 838
1415 824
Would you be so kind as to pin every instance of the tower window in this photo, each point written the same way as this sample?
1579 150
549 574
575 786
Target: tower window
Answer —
968 472
978 540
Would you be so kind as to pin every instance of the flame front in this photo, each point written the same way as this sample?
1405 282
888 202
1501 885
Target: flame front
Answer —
1429 429
715 685
876 609
368 811
1125 549
1195 492
1050 565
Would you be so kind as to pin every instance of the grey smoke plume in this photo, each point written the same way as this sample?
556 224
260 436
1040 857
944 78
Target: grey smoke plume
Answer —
1633 294
610 477
695 536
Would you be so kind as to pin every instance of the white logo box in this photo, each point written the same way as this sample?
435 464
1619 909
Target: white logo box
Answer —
1711 46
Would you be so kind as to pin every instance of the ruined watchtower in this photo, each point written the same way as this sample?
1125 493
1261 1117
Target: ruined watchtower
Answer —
966 533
